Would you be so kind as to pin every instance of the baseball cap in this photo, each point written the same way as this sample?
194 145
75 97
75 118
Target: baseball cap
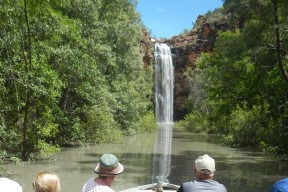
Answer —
205 164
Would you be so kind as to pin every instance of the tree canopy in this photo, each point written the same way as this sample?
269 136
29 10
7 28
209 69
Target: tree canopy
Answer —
71 71
243 83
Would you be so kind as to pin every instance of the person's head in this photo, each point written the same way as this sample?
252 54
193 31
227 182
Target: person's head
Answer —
108 167
46 182
8 185
204 167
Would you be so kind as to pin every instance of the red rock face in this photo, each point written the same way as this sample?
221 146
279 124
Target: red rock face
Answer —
186 49
147 48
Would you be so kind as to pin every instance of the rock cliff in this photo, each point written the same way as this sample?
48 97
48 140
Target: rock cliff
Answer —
186 48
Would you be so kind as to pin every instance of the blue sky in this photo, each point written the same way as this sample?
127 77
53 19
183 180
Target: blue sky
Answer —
166 18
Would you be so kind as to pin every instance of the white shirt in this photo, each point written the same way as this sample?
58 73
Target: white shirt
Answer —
92 186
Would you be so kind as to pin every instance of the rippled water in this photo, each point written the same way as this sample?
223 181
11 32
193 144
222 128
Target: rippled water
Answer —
238 170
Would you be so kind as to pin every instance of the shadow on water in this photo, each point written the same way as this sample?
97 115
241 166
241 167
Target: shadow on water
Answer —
238 170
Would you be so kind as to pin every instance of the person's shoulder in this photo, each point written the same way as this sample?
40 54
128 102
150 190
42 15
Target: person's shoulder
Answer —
220 186
106 189
90 180
213 181
285 180
90 184
223 187
280 185
281 182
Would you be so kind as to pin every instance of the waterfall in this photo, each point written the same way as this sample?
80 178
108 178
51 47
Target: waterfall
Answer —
164 83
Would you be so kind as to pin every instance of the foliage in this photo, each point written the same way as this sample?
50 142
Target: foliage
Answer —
70 71
147 123
194 122
242 85
45 151
247 127
100 128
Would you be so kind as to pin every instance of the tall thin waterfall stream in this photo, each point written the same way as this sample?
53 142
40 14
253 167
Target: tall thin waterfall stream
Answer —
164 84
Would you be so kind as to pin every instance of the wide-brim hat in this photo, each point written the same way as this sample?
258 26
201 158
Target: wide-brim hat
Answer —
109 165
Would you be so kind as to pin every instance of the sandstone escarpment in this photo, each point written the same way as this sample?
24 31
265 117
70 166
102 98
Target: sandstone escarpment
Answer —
186 48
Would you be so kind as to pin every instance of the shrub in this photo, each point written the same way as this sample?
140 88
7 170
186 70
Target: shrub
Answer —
194 122
247 127
147 123
101 127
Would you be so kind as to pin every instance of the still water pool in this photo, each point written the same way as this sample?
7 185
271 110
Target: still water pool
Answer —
239 170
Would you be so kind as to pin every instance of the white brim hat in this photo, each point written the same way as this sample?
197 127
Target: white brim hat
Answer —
109 165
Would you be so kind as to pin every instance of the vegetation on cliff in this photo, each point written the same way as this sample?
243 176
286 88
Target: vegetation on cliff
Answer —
71 71
243 84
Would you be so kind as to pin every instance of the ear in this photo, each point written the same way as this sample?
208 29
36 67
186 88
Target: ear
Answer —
194 170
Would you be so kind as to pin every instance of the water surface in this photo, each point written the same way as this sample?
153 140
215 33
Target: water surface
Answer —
238 170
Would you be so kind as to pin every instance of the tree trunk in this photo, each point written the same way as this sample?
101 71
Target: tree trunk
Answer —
25 154
278 48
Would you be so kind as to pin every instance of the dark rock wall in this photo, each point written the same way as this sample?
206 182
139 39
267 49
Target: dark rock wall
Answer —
187 48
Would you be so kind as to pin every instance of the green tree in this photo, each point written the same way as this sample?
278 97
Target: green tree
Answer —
70 70
27 79
245 84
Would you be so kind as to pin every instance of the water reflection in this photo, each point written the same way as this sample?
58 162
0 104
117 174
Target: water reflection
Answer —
238 170
162 153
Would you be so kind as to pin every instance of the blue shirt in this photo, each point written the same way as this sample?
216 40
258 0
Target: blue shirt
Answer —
280 186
